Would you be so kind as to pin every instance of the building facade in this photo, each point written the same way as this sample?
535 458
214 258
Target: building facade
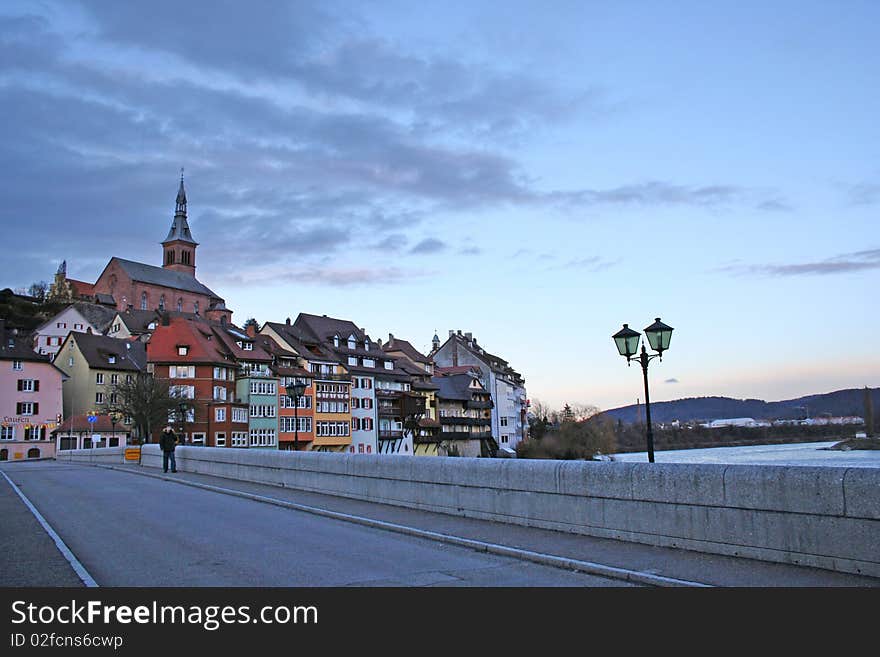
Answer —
505 385
80 316
94 365
30 398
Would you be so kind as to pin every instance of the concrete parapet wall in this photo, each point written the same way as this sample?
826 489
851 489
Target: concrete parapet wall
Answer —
817 516
112 455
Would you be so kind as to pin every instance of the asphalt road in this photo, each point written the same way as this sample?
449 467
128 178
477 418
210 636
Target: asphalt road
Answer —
130 530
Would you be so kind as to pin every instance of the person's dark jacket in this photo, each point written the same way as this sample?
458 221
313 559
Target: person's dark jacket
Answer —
167 441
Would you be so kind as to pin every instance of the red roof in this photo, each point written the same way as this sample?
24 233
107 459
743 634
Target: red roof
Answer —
203 345
80 423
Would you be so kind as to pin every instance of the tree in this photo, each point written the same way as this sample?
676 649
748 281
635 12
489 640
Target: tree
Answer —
39 290
251 321
149 402
573 440
869 413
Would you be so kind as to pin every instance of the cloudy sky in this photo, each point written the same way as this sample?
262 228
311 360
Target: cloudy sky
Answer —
535 173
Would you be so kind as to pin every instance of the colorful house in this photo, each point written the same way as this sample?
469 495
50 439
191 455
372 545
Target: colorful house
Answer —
30 398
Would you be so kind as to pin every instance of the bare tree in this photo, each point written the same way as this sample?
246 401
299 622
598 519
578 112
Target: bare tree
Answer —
149 403
39 290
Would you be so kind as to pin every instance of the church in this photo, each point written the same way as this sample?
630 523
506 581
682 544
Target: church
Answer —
129 285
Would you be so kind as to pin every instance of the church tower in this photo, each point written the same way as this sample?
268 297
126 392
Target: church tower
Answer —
179 248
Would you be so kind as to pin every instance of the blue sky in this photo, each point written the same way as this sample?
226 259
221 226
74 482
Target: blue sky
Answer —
535 173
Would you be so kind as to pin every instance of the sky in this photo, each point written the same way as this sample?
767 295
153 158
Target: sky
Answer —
534 173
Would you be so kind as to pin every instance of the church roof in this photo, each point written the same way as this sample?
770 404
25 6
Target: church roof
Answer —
153 275
179 227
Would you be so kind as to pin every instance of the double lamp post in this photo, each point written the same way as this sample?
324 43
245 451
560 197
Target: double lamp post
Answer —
627 342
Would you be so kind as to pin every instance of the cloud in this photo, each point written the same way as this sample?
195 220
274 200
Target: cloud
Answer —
659 192
428 246
864 194
671 381
845 263
588 263
340 277
471 250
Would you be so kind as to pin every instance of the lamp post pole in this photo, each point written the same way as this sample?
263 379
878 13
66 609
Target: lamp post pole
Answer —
295 390
627 341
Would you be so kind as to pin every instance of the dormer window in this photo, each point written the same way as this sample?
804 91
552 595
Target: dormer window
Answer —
389 365
151 325
111 360
352 342
248 346
182 350
367 344
335 340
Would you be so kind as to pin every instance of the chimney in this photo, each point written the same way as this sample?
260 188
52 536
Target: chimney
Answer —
288 321
459 331
451 333
390 337
469 336
252 330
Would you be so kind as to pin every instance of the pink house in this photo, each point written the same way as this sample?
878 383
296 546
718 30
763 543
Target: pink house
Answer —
30 398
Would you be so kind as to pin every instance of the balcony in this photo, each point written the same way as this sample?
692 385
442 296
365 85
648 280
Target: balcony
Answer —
244 372
471 421
463 435
390 435
329 376
478 404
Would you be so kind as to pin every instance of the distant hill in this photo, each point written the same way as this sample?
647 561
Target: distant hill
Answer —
838 403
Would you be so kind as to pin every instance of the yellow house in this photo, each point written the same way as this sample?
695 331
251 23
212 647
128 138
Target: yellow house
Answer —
94 365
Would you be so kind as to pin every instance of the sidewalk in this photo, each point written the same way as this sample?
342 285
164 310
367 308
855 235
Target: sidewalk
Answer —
655 563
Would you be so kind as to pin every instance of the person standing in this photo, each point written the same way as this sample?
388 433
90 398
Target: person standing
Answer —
168 442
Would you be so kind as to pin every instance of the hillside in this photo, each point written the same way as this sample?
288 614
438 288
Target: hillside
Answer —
837 403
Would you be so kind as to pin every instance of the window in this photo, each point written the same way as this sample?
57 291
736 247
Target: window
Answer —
369 362
112 359
504 422
220 439
78 327
351 343
389 365
35 433
70 361
248 346
162 302
114 398
355 424
367 344
183 392
239 438
220 414
195 304
99 397
61 325
180 305
143 300
287 424
28 385
263 388
182 350
263 437
221 373
352 360
219 393
367 424
355 382
182 371
7 433
114 379
99 378
128 378
198 438
335 340
239 415
262 410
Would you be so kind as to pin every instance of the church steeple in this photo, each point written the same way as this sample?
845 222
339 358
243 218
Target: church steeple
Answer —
179 248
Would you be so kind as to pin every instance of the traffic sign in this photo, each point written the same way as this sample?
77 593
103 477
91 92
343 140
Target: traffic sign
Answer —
93 419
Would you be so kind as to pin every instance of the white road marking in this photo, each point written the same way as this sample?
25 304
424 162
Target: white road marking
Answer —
78 568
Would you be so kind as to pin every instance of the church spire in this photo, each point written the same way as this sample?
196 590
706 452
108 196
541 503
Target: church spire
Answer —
179 247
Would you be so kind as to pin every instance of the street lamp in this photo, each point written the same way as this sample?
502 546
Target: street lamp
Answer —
627 342
114 418
295 390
